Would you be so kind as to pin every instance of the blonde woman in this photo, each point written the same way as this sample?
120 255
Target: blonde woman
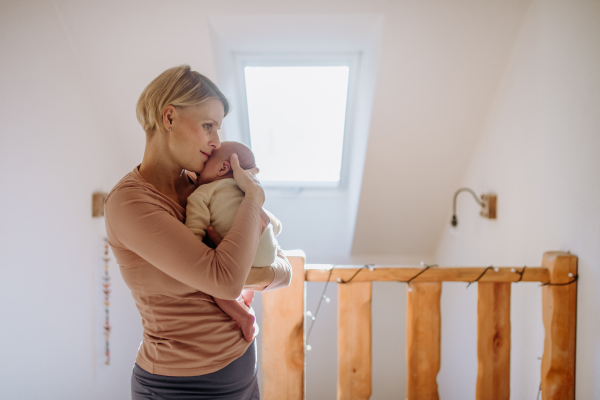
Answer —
191 349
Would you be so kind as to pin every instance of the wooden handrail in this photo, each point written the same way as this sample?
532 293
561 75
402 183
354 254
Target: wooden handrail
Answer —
284 329
437 274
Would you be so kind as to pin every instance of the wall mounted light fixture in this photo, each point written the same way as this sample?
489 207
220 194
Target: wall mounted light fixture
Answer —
487 203
98 204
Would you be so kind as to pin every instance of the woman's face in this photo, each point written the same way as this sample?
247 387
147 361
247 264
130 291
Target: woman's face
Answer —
194 133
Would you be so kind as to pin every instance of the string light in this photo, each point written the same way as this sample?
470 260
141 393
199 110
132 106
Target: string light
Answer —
420 272
482 274
514 270
520 273
563 284
312 316
425 266
370 267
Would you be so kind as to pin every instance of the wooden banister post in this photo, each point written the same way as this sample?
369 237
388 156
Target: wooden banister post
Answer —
423 329
559 308
354 341
283 337
493 341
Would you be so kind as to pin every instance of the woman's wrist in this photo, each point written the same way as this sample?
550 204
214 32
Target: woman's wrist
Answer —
257 195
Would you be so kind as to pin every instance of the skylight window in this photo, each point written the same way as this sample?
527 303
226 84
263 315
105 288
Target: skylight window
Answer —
296 119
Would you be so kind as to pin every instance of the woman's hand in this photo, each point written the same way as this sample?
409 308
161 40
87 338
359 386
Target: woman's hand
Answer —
247 181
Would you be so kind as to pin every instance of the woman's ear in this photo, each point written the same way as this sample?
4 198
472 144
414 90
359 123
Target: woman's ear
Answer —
168 114
225 168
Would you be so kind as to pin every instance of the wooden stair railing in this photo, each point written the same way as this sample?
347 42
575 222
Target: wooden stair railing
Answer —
282 332
284 316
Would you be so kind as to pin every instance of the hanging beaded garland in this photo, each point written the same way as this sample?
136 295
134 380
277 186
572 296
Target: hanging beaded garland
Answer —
106 290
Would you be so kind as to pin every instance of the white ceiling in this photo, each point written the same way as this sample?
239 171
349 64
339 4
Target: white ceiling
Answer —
441 63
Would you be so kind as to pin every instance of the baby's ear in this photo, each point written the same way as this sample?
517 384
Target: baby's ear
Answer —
225 168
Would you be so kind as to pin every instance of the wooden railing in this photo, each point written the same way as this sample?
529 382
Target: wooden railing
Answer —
284 315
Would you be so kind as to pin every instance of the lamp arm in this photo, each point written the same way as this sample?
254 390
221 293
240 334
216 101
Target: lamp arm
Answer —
454 220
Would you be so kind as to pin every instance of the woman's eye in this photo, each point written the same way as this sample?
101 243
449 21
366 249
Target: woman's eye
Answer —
208 126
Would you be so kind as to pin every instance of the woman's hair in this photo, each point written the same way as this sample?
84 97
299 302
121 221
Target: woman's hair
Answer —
179 87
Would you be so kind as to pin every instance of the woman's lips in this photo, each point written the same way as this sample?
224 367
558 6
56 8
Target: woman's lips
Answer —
206 154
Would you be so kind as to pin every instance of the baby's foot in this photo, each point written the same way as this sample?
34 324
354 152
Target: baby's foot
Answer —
248 296
249 326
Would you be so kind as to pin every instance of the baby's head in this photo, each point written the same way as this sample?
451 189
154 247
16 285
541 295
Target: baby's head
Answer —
218 165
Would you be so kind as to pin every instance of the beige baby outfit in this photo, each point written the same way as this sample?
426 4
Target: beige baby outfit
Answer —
216 204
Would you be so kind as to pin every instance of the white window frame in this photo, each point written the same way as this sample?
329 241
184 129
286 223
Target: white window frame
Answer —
351 60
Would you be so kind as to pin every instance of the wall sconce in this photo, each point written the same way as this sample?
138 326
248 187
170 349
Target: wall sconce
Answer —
487 203
98 204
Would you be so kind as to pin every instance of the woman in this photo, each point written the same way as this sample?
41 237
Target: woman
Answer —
190 348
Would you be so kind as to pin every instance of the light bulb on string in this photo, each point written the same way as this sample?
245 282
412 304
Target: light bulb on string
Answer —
312 316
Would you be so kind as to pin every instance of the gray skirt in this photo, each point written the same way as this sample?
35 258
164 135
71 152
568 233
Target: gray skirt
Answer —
237 381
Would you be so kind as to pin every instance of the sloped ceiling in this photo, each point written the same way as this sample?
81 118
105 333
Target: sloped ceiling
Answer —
441 62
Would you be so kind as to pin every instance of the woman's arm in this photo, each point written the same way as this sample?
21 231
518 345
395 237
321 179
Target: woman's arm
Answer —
137 220
262 279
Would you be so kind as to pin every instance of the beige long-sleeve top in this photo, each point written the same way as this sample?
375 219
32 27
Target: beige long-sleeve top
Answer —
173 276
216 204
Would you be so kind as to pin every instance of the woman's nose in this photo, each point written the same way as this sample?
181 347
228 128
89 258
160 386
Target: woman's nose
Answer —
216 142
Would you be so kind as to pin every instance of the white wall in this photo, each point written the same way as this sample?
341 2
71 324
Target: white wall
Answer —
439 68
52 157
540 152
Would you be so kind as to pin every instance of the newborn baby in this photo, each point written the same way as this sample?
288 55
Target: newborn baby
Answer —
215 203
